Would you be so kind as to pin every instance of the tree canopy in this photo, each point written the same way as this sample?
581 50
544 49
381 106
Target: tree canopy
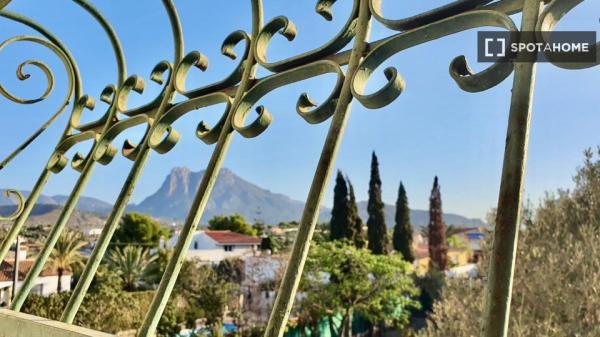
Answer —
376 227
555 290
402 237
438 248
235 223
205 293
342 279
140 230
65 255
132 264
356 223
340 222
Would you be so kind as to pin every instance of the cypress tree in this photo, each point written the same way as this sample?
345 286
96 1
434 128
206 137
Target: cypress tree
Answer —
438 251
339 213
402 238
376 228
358 236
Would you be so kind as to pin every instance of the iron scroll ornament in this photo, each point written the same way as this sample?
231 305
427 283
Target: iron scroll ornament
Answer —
239 92
550 17
70 137
459 69
18 197
285 27
74 90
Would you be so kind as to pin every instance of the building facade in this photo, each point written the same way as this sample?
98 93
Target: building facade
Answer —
215 246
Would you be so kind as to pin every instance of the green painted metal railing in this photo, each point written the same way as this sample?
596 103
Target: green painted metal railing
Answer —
239 92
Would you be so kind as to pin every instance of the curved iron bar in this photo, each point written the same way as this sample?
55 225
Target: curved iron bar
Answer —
362 59
58 161
303 106
286 27
24 76
105 151
78 87
459 69
167 282
164 137
507 7
142 153
20 199
81 163
86 102
85 165
291 279
454 8
21 207
75 78
136 83
119 58
112 37
550 17
20 204
114 41
196 59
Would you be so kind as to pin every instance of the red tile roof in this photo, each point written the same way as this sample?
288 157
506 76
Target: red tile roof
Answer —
7 270
232 238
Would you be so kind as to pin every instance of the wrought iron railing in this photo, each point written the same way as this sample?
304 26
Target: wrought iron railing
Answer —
239 92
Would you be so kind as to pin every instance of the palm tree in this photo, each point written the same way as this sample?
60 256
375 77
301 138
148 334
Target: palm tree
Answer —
132 264
65 255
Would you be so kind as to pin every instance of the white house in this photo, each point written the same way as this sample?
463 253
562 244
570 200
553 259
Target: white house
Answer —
214 246
45 284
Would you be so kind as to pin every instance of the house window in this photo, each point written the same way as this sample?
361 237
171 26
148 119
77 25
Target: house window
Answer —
195 245
228 248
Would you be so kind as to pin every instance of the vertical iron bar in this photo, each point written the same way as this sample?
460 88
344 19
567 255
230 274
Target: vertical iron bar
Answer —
502 264
167 282
107 232
14 231
86 172
16 267
54 234
129 185
291 279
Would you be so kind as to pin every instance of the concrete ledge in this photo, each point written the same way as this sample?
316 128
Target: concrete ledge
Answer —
16 324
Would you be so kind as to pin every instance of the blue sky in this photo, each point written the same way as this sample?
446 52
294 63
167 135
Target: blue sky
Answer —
433 128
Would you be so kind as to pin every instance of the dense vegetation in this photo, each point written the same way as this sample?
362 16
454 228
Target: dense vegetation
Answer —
557 274
342 280
555 292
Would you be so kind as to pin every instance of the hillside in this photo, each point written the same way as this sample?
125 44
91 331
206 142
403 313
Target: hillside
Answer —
231 194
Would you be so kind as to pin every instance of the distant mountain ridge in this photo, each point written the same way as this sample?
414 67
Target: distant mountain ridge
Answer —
90 213
231 194
85 204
